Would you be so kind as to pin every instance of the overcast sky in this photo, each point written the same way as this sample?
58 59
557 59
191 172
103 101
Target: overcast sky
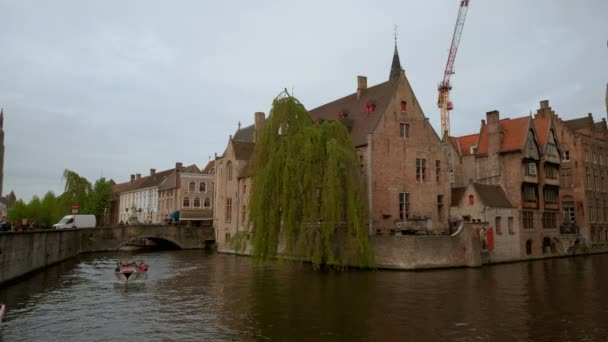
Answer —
118 87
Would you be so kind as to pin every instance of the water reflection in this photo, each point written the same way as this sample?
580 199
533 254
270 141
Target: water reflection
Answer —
194 295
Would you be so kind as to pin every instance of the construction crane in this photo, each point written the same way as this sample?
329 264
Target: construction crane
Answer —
444 103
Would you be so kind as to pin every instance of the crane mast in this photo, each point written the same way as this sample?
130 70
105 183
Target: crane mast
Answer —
444 103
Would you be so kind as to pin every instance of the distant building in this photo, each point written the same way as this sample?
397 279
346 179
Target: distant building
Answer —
186 195
139 197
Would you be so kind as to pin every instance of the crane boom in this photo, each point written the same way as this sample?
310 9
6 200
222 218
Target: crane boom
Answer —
444 87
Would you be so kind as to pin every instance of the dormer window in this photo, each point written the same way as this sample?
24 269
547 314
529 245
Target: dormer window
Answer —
342 114
403 106
370 107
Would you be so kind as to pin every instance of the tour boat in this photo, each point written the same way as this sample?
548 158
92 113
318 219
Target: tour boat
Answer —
2 311
132 272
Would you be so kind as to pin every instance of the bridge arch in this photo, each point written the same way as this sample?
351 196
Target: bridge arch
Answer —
160 242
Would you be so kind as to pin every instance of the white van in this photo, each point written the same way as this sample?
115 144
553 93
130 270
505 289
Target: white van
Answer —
76 221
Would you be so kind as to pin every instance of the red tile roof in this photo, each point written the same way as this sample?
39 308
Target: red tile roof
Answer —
542 125
463 144
514 135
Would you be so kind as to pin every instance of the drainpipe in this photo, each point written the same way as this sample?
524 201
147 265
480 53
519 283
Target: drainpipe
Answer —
369 183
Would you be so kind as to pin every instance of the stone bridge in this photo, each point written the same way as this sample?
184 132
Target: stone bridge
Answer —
176 237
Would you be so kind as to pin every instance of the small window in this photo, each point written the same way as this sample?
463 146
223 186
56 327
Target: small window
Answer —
438 170
510 224
228 214
404 130
527 219
197 202
192 187
471 199
403 106
420 170
229 170
531 169
244 188
186 203
370 107
498 225
549 220
202 187
207 202
244 213
529 193
404 206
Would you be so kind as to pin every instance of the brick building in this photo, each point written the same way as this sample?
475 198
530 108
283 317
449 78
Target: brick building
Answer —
583 175
402 158
233 182
489 204
522 155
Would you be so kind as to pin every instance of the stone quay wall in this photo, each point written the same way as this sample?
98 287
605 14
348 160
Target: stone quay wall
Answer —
29 251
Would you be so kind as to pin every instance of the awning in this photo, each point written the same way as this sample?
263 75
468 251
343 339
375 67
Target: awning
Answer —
196 215
174 215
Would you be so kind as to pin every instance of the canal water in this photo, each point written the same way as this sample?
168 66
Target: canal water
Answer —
201 296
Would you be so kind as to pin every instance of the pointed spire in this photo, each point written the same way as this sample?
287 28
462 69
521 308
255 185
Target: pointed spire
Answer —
396 65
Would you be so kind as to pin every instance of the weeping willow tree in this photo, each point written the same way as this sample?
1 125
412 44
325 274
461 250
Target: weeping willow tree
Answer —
307 196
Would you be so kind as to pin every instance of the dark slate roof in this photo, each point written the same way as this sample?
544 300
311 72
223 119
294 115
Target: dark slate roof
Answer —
242 150
457 194
492 195
355 109
396 65
580 123
244 134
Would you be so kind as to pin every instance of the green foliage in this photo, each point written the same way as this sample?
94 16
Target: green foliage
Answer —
49 210
239 241
17 212
99 198
307 193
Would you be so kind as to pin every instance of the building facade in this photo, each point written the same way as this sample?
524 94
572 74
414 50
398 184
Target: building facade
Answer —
403 161
490 205
583 175
522 156
233 183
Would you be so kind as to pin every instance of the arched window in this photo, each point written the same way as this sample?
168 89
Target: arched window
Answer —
229 170
471 199
202 186
192 186
197 202
186 202
207 202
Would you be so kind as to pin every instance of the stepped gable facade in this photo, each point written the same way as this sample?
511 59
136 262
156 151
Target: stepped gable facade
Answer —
402 159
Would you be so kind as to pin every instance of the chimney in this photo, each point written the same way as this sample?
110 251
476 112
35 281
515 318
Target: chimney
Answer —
544 104
361 85
152 172
132 178
495 132
178 166
260 118
138 176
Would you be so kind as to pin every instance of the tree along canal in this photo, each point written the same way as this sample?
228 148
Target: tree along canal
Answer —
196 295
